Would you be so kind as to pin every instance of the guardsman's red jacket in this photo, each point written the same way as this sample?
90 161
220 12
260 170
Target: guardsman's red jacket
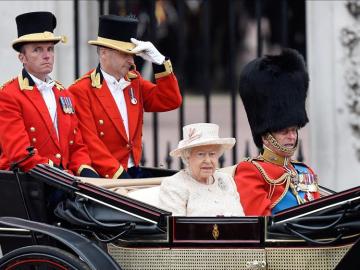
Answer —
101 123
25 121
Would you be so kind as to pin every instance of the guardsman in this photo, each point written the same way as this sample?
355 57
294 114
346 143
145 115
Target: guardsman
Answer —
38 124
112 98
273 89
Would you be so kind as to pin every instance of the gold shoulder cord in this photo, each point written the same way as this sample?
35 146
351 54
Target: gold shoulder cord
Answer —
270 181
285 178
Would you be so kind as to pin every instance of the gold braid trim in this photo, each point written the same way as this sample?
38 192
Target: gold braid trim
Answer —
296 194
168 70
270 181
84 166
285 178
282 195
118 172
279 147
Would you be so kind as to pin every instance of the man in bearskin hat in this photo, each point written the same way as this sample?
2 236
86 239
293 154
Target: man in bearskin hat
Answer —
273 89
37 120
111 98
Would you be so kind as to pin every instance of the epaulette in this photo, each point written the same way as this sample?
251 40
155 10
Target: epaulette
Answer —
6 83
81 78
248 159
24 83
95 79
258 158
59 85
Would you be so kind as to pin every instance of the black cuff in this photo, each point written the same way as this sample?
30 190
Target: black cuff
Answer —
86 172
159 68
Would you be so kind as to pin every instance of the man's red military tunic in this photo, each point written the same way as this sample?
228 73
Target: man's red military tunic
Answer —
100 120
262 185
25 121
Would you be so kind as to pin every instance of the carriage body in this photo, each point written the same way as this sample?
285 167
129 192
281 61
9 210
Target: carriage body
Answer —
137 235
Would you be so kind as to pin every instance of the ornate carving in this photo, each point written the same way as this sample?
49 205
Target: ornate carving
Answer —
353 7
215 232
350 39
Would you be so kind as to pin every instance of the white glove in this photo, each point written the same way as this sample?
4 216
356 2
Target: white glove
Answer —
147 51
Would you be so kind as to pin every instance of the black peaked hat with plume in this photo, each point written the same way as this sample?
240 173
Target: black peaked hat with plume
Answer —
273 89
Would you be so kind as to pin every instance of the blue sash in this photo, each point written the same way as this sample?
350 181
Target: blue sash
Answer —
289 200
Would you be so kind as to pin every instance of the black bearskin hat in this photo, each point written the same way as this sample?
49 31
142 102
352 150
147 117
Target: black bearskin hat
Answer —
273 89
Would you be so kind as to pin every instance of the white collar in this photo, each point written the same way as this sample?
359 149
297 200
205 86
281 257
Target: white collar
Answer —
110 80
41 85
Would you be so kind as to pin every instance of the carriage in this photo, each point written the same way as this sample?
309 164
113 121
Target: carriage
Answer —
52 220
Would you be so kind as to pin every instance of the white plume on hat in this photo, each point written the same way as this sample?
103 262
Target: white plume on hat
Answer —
200 134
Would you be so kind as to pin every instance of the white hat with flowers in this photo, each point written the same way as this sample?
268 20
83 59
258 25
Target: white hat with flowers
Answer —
200 134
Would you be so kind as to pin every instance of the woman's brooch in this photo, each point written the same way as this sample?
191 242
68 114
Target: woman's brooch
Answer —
222 184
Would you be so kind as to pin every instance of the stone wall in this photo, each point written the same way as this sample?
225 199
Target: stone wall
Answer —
334 88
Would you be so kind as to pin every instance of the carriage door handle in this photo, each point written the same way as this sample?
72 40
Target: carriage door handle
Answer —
256 265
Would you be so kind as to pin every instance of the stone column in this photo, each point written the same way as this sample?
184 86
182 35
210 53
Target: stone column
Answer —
333 47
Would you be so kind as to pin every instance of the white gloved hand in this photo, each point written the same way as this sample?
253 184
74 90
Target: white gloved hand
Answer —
147 51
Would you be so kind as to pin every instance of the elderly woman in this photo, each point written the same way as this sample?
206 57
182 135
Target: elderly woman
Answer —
199 189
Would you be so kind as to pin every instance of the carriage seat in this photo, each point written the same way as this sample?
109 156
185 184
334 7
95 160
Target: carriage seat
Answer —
147 195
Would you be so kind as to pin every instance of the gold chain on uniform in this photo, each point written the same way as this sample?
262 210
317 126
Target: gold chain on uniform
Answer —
285 178
293 185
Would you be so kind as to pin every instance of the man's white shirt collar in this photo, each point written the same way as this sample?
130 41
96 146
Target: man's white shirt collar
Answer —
41 85
111 81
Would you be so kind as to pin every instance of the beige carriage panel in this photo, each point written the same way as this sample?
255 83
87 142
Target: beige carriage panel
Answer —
123 186
114 183
186 259
305 258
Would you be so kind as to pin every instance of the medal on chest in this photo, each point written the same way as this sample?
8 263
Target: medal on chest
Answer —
306 182
66 105
133 99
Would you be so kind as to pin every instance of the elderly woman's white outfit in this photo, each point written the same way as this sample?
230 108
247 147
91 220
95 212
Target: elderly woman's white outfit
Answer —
184 196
